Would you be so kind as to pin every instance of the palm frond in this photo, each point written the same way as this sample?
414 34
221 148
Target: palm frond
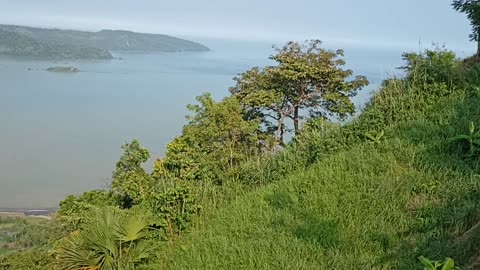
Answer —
110 239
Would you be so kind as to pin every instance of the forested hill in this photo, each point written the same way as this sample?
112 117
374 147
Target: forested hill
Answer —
71 44
18 45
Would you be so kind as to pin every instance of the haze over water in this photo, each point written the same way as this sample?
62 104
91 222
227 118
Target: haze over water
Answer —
62 133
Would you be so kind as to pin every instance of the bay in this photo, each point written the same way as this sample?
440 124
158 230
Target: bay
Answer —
61 133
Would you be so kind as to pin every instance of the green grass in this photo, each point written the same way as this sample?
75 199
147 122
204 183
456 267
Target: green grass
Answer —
372 206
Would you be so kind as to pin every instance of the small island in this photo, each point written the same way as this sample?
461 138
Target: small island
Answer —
63 69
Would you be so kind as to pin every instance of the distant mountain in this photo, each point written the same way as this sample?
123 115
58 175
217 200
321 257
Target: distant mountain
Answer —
14 44
71 44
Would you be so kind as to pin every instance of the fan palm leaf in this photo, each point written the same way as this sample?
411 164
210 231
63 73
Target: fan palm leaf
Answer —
109 239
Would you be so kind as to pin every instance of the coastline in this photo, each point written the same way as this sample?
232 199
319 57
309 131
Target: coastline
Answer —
27 213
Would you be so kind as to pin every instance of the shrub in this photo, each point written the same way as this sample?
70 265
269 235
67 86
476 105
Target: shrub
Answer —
173 207
109 239
73 208
430 75
27 260
433 66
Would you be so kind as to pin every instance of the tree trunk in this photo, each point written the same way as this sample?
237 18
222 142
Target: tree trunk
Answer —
296 120
280 129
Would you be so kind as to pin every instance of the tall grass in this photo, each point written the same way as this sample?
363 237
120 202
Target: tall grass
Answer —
335 200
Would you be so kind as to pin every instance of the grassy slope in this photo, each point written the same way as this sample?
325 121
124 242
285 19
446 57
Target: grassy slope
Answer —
375 206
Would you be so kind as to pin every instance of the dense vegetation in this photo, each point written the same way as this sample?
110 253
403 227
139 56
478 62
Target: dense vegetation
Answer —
395 188
25 242
69 44
18 45
358 201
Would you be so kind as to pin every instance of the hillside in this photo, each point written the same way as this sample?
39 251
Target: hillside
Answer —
17 45
398 182
376 203
70 44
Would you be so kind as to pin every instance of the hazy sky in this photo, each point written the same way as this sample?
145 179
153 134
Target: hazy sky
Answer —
379 23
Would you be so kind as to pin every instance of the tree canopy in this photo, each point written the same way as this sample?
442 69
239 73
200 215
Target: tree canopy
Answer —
217 137
307 82
472 9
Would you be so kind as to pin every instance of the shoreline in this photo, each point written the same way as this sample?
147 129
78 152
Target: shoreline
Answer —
27 213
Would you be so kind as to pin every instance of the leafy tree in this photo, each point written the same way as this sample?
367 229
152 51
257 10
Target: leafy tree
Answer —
132 159
433 66
472 9
306 79
171 205
130 181
73 208
217 137
110 239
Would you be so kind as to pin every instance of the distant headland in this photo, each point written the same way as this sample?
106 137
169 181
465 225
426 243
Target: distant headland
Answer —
56 44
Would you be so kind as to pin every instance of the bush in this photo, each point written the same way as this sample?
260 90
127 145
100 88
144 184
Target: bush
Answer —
27 260
430 75
433 66
320 138
73 208
172 206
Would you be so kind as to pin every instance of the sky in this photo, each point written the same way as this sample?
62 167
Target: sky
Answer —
373 23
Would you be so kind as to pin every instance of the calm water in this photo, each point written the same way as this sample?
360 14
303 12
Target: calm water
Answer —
61 133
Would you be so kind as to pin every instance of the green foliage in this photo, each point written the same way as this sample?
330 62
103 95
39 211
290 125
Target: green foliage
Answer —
172 209
472 9
24 243
16 44
216 138
375 138
447 264
431 75
109 239
438 66
73 208
374 193
319 138
26 233
338 201
473 142
132 159
307 80
170 205
130 181
34 259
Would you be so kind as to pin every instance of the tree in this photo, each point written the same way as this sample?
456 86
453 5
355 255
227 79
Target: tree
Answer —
110 239
131 183
472 9
306 80
216 138
73 208
132 159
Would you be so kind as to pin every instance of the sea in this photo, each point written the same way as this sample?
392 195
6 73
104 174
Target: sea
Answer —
61 134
